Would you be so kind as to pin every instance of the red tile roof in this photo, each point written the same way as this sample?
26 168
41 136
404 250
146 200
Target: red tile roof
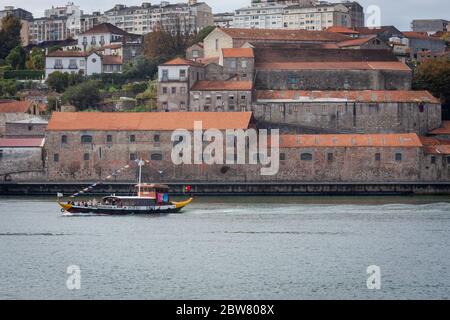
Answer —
68 53
355 42
238 53
374 31
432 141
217 85
282 35
348 96
406 140
444 129
180 62
21 142
105 28
343 30
357 65
13 106
439 149
146 121
110 59
419 35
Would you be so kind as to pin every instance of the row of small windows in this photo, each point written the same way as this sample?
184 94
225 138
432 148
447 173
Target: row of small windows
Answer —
109 138
306 156
132 157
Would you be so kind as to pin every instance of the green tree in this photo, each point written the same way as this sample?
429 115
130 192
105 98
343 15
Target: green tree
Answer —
36 59
202 34
16 58
434 75
85 95
58 81
8 88
140 68
9 35
163 43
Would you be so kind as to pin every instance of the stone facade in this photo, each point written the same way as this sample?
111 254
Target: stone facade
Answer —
225 97
275 78
26 128
352 117
175 79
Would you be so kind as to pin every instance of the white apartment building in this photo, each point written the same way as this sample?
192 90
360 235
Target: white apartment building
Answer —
293 14
73 62
190 16
61 23
259 16
318 17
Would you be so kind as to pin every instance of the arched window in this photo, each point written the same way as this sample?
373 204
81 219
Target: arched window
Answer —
306 156
86 139
63 139
156 156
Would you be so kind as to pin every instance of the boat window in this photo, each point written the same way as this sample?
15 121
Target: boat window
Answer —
156 156
86 139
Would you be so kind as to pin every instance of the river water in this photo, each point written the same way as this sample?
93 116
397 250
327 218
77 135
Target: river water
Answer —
231 248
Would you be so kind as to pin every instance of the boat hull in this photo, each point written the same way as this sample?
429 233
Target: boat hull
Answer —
174 207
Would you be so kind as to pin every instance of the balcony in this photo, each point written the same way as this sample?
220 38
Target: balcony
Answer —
58 66
73 66
173 79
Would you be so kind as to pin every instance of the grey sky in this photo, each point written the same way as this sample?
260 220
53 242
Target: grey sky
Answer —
396 12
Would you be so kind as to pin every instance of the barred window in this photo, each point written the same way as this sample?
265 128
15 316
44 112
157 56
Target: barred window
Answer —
306 156
156 156
86 139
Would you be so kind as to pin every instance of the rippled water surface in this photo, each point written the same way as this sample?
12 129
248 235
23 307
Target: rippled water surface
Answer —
231 248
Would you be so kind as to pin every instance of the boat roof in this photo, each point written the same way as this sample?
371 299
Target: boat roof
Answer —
153 185
128 197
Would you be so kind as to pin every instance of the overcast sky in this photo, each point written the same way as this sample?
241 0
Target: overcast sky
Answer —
393 12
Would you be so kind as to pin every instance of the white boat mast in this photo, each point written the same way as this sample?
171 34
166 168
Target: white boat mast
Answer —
140 163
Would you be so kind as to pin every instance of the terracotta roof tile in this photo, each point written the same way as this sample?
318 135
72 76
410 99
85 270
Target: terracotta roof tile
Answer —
110 59
439 149
355 42
68 53
238 53
406 140
21 142
13 106
217 85
146 121
105 28
344 30
357 65
444 129
432 141
347 96
283 35
419 35
181 62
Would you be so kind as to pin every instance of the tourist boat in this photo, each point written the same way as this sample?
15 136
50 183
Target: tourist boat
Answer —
150 199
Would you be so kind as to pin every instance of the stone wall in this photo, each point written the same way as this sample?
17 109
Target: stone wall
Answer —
25 129
220 100
20 161
325 164
352 117
10 117
332 79
239 68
